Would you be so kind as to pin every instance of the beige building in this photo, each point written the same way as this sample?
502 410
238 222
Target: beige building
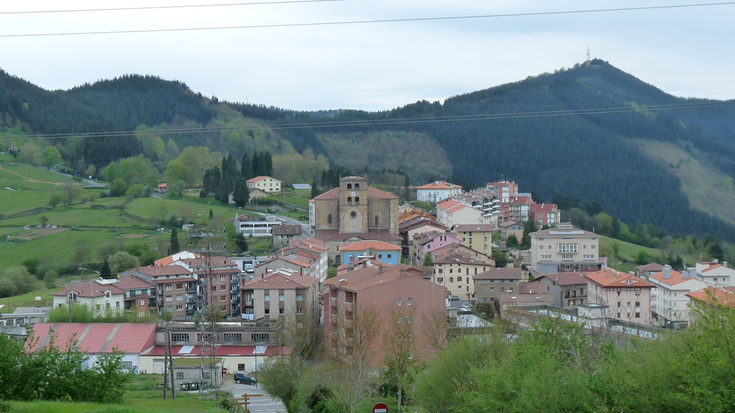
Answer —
564 249
456 269
279 294
627 297
479 237
265 183
489 285
354 212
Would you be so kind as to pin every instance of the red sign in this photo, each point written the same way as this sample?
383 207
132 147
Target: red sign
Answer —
224 370
380 408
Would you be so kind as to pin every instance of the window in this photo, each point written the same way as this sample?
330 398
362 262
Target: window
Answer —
223 288
410 301
451 279
349 199
117 304
357 186
389 256
299 297
459 279
169 298
141 303
223 298
357 200
169 308
376 220
281 297
329 219
408 319
349 186
179 286
440 280
206 375
180 307
267 311
266 297
232 337
179 297
380 256
281 311
179 336
400 319
169 287
179 375
492 289
299 311
223 277
594 247
399 302
562 248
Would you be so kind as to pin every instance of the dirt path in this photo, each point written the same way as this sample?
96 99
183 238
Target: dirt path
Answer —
29 179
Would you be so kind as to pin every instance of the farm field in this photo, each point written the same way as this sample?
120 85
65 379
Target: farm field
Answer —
155 209
79 214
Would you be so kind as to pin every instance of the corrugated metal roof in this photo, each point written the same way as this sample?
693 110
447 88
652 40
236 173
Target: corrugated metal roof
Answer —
96 338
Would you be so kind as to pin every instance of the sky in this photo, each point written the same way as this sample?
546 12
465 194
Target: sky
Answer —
685 51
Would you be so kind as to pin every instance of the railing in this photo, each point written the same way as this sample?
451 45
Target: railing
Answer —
347 305
235 289
333 301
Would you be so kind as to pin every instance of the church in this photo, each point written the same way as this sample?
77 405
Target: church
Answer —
354 212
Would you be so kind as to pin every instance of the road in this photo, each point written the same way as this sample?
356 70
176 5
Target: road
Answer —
259 404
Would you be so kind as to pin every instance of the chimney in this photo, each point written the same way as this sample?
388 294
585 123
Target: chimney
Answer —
692 272
667 272
724 263
402 272
380 269
715 261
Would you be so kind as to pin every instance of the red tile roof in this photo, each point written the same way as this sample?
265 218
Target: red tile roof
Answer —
611 278
439 185
373 193
368 277
260 178
715 296
281 279
91 289
164 270
97 338
372 234
565 278
506 273
675 277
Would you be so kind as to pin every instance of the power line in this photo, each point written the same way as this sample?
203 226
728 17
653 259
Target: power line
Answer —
388 122
398 20
186 6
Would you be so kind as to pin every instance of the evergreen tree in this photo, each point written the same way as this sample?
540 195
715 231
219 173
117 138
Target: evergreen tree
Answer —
105 270
242 194
267 162
255 164
406 190
314 189
174 244
246 166
211 213
241 243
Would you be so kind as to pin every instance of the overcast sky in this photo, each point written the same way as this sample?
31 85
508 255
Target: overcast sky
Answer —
373 66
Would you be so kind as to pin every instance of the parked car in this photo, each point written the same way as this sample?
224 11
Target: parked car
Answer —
244 378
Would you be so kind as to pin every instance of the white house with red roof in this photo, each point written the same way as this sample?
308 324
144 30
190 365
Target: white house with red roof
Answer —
436 191
97 295
671 304
265 183
450 213
715 273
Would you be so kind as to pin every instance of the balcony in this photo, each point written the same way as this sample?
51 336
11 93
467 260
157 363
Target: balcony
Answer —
333 318
235 289
236 300
248 303
234 280
348 306
333 301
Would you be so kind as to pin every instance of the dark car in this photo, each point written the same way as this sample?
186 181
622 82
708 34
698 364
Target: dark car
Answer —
243 378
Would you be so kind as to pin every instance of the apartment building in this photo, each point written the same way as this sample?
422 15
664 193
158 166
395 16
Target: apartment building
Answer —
279 294
565 249
670 305
626 296
479 237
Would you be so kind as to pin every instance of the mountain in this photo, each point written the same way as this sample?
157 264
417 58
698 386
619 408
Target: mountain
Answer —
581 132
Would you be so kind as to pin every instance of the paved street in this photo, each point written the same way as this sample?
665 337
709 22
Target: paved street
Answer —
262 404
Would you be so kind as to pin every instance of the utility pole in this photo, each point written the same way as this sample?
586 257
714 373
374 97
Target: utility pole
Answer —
165 365
170 361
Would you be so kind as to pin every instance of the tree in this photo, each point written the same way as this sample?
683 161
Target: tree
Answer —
211 213
178 171
314 189
69 192
246 166
241 196
513 241
174 247
44 220
399 347
501 259
428 262
82 252
105 272
406 189
50 156
241 243
91 171
122 261
55 199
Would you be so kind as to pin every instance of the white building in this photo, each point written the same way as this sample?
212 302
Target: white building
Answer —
436 191
670 304
563 249
450 213
265 183
97 295
716 274
256 227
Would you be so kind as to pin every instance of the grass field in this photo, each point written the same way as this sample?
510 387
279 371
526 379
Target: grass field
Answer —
37 174
79 214
628 252
155 209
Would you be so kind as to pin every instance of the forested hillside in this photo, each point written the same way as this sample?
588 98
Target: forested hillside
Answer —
575 131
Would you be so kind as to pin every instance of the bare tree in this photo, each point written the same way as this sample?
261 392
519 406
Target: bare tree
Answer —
69 192
399 345
434 330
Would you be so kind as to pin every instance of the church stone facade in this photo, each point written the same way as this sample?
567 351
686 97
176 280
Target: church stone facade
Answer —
354 212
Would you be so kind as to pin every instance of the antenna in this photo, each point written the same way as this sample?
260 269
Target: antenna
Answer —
587 63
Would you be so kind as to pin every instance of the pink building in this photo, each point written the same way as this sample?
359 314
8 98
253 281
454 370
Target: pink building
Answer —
627 297
397 293
545 214
427 242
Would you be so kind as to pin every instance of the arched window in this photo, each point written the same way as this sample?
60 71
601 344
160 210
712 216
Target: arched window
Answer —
357 199
349 186
357 186
376 220
329 219
349 199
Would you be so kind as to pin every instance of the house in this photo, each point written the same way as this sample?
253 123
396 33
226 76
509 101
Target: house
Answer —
98 295
98 339
479 237
162 188
294 262
564 249
715 274
436 191
518 208
426 242
314 250
455 269
283 234
255 193
382 251
489 285
545 215
140 295
265 183
361 263
627 297
645 271
255 227
569 289
712 296
279 294
414 226
528 295
670 305
450 213
396 296
509 228
354 212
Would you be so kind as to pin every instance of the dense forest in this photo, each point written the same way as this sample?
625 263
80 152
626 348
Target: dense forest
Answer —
571 131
